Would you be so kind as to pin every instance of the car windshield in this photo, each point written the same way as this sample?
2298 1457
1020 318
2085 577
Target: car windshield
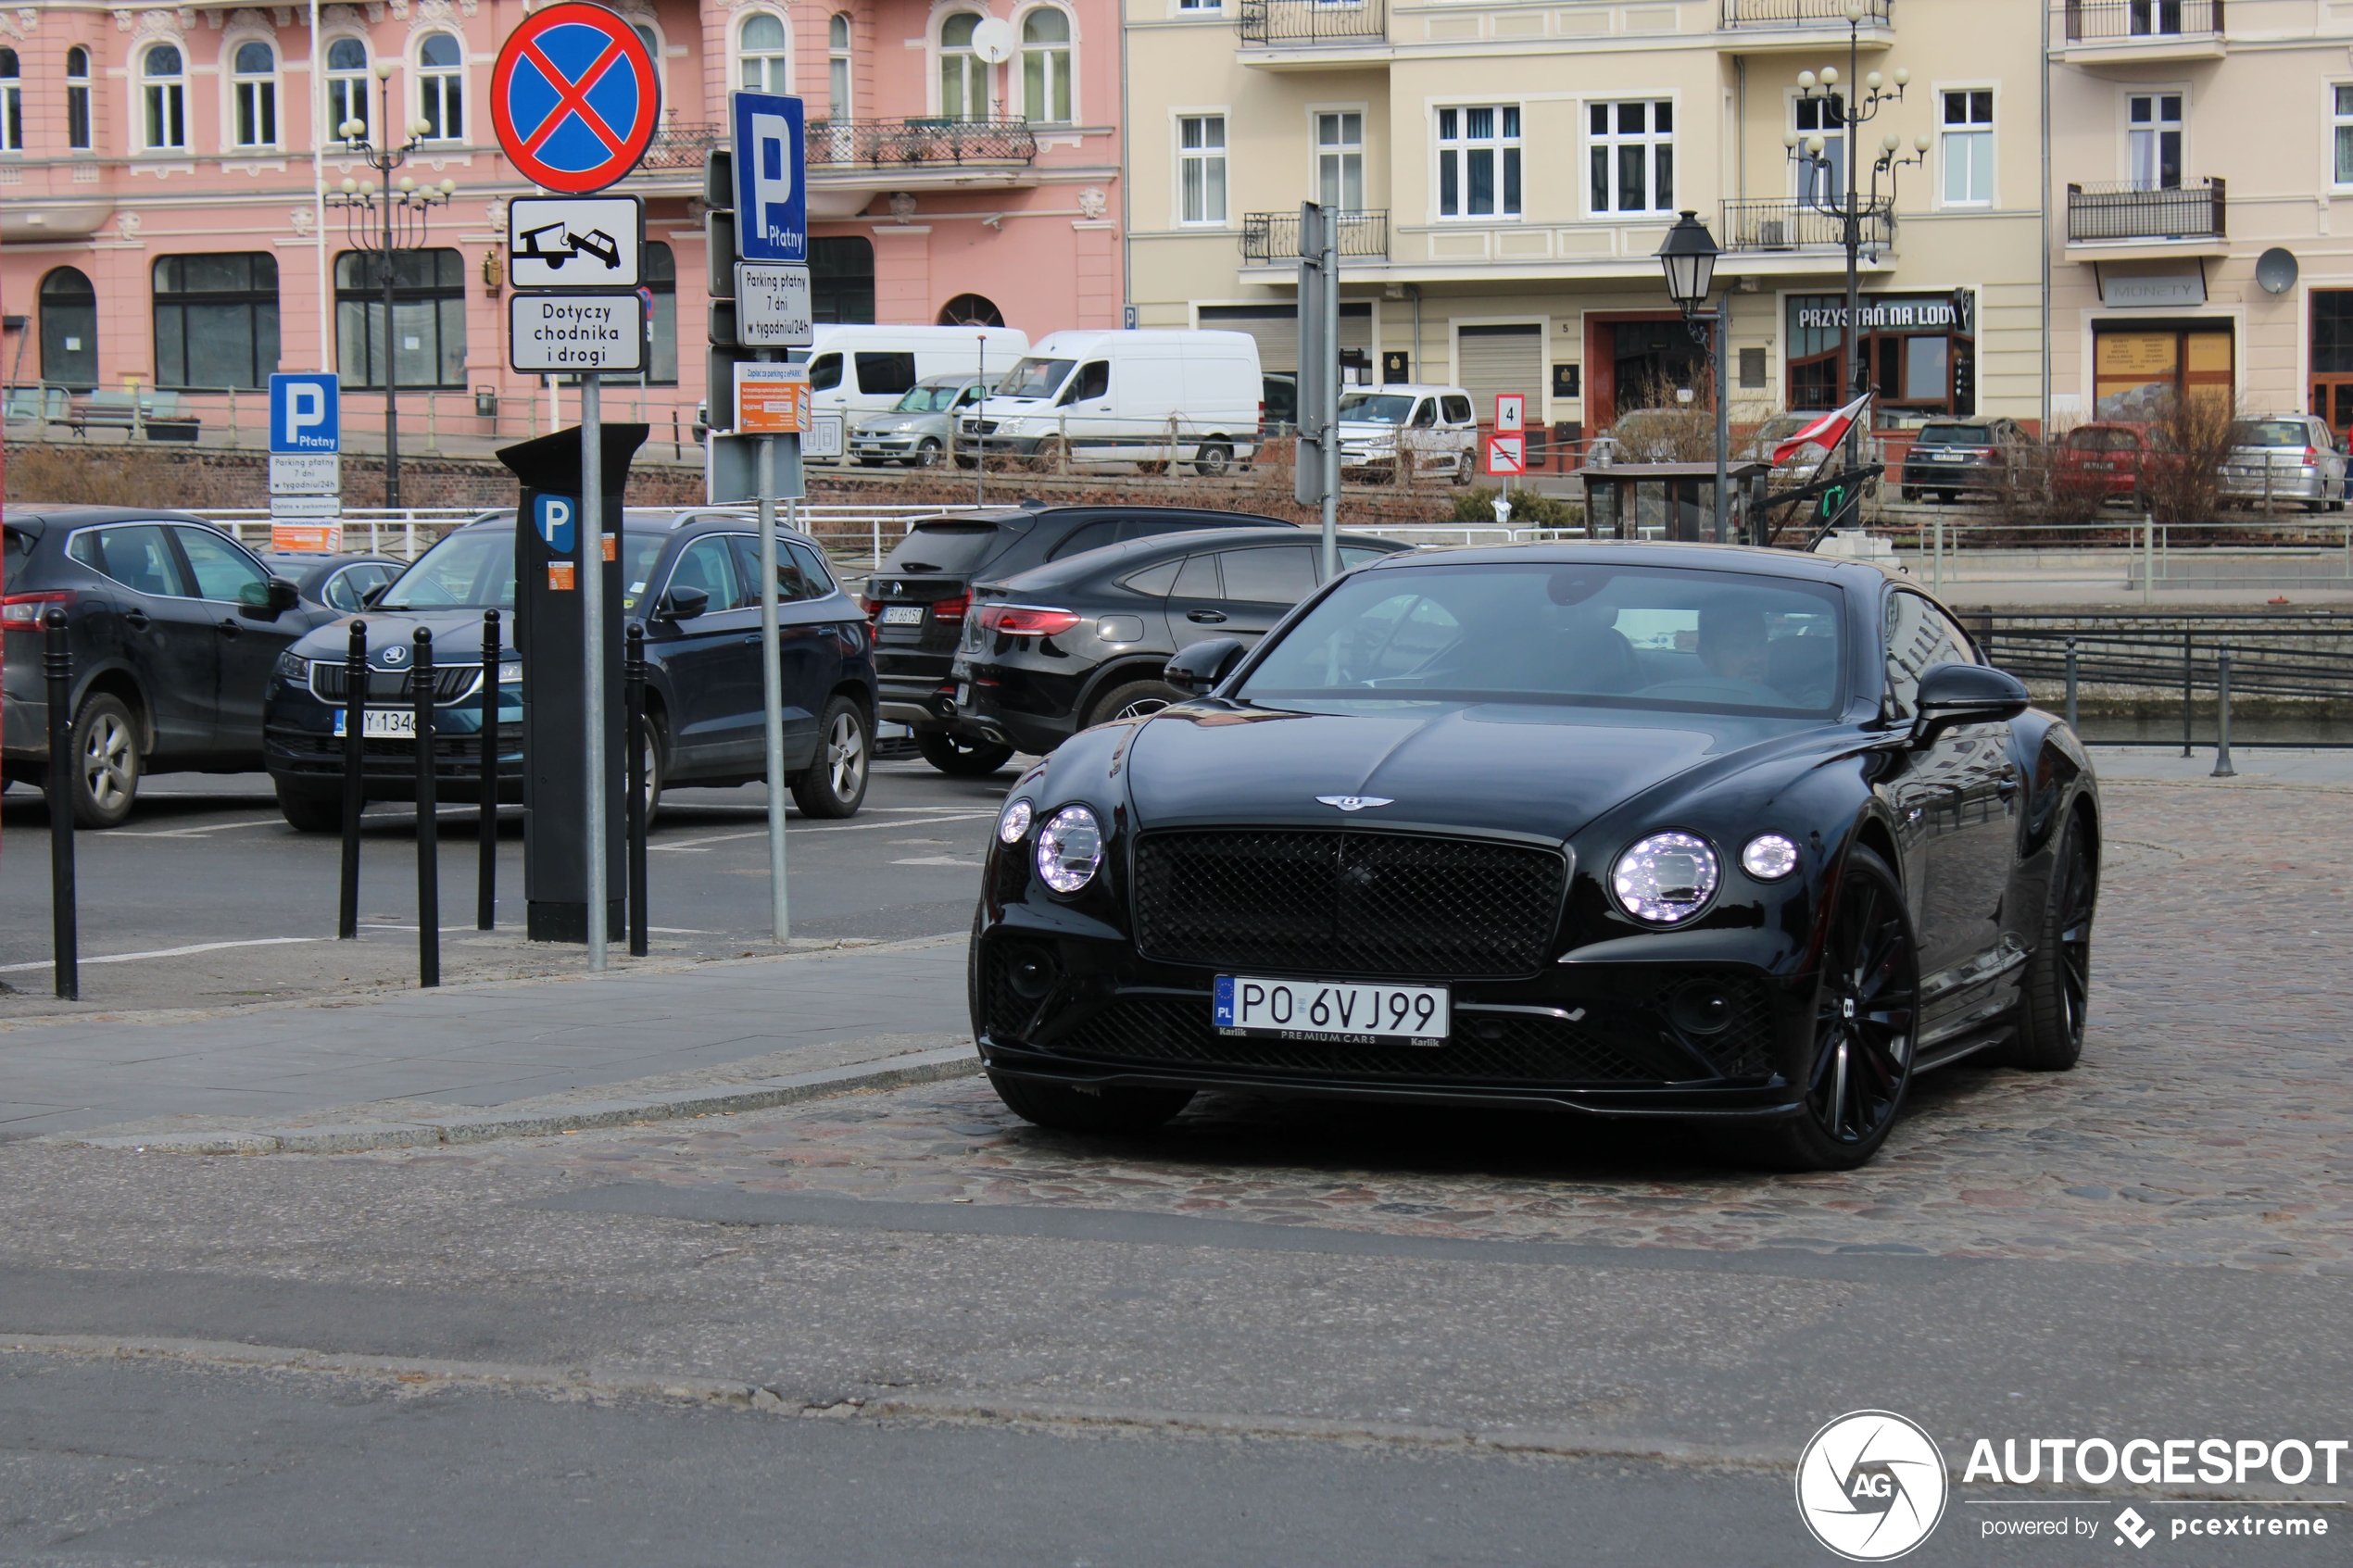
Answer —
1653 638
1035 377
1375 407
928 399
474 569
1955 435
2271 432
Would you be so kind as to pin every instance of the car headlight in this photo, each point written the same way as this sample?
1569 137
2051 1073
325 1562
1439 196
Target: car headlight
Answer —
293 667
1010 427
1015 822
1769 858
1070 849
511 672
1665 879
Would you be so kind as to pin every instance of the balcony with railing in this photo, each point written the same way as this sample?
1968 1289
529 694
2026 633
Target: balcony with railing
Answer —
1312 24
2124 212
1801 13
2145 30
1765 228
1271 239
856 146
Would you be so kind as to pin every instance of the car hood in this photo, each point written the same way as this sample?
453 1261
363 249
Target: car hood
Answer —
457 635
1367 430
888 424
1511 768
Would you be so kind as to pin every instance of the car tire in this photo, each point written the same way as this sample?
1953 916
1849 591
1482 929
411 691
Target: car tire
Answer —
1866 1024
834 786
1070 1110
105 772
1133 700
1462 474
960 759
1212 460
870 462
1948 496
656 765
927 454
2052 1004
310 814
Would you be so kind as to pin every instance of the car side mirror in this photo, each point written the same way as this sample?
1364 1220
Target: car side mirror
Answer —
682 604
267 600
1965 694
1197 669
368 599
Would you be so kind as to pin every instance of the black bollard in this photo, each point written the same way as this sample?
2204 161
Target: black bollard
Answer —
2222 768
56 663
487 873
633 682
420 683
2187 640
2070 684
355 792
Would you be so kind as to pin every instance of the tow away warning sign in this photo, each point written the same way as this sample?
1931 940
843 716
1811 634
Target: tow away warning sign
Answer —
571 332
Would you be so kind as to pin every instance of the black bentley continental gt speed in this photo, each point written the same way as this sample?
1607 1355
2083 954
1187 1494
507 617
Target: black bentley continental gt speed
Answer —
1686 832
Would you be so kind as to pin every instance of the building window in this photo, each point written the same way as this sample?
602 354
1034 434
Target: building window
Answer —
164 82
1632 147
1045 67
2342 118
252 87
2333 358
441 87
837 66
78 99
1340 161
841 278
68 329
766 55
2154 140
1200 6
1479 162
346 84
11 103
428 318
971 310
2156 18
963 76
1200 168
216 321
1821 177
1968 148
1918 351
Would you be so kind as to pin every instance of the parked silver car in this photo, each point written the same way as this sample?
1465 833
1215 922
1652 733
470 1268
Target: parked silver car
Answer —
2292 459
917 431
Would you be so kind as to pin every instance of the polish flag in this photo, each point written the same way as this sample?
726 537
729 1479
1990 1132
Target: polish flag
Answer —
1826 432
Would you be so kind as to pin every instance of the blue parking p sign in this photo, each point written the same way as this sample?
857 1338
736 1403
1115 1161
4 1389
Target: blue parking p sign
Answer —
552 517
771 204
304 413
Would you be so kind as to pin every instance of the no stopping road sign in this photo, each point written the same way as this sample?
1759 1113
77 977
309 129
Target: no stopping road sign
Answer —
574 97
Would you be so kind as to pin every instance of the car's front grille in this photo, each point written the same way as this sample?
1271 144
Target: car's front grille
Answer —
1333 902
457 747
452 683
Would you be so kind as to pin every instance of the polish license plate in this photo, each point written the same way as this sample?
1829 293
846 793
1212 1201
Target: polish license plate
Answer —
380 723
1338 1012
903 615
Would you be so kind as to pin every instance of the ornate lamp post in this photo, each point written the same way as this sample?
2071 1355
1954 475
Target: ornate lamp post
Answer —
382 222
1689 259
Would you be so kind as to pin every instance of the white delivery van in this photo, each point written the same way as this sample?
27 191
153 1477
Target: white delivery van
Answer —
1127 397
856 370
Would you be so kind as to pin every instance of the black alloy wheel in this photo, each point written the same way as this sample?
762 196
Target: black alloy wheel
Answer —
2055 1002
960 759
1865 1016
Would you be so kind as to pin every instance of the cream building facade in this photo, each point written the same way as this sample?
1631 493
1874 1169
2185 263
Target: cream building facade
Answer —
1512 169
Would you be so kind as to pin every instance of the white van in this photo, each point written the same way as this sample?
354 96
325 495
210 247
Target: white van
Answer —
1127 397
856 370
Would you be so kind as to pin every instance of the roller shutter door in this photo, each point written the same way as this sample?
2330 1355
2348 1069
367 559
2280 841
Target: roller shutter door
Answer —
1493 360
1276 329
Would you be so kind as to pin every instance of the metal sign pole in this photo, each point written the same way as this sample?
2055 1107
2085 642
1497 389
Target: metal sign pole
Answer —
771 693
591 534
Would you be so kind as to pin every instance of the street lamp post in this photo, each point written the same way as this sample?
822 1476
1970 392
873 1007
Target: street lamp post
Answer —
1688 257
383 222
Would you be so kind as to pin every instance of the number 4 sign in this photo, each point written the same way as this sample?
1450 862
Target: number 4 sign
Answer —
1510 413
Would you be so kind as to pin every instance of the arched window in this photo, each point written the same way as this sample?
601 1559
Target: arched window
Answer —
68 329
963 76
163 79
971 310
78 98
11 103
347 85
216 319
441 87
766 54
1045 66
253 86
837 66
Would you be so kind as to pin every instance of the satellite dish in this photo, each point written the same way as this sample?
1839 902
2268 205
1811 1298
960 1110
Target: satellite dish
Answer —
993 40
2276 270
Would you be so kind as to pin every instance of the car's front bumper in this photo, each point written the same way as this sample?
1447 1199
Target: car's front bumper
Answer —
1947 476
304 754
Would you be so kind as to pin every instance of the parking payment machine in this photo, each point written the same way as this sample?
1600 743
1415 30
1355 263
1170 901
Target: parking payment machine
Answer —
550 540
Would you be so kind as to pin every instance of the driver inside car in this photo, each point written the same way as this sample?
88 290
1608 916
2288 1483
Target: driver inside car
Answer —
1732 643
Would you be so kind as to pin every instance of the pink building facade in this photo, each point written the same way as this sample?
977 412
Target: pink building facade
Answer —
159 226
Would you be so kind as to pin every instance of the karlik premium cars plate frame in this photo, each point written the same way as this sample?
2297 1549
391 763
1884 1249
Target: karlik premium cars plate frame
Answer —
1333 1011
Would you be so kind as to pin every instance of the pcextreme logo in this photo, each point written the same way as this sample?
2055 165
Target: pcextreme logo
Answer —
1871 1485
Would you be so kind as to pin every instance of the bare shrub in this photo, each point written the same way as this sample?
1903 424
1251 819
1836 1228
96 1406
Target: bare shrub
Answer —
2182 475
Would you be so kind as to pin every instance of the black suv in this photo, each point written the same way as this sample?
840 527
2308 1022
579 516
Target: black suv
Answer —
692 575
174 627
1952 455
919 596
1080 643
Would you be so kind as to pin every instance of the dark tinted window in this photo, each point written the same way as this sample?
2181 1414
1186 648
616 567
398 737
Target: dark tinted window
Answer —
1955 435
1458 411
798 575
1281 575
138 556
813 567
1918 635
1093 536
2271 432
222 570
824 373
1154 581
891 373
19 557
945 547
1199 579
707 563
1357 555
1094 381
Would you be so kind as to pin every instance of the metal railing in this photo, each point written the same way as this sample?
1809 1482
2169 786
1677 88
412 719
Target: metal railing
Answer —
1274 237
1314 21
1790 224
886 142
2101 21
2124 210
1801 13
681 147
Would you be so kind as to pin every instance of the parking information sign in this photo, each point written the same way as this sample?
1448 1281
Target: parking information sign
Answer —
304 414
771 207
771 306
574 97
771 399
573 333
1506 456
575 242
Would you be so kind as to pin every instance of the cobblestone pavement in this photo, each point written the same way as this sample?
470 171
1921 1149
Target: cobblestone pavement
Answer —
2210 1122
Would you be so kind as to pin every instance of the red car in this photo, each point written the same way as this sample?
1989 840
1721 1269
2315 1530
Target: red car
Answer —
2104 461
